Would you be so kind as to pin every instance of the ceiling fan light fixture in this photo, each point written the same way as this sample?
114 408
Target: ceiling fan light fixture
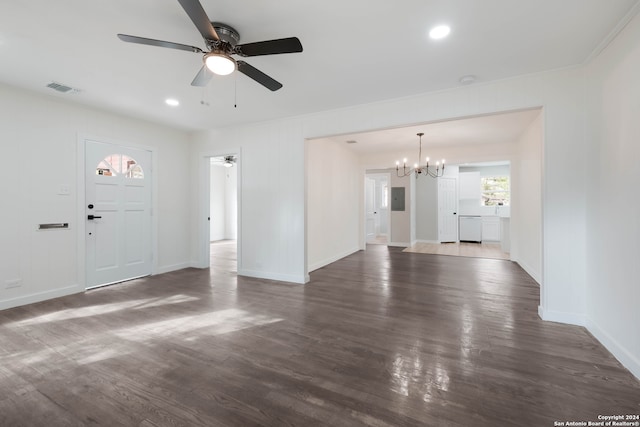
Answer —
219 63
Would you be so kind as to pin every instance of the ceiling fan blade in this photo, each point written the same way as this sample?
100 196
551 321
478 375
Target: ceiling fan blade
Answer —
159 43
270 47
203 77
257 75
199 18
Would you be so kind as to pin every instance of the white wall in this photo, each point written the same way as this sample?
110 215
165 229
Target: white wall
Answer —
613 186
223 202
38 145
272 202
231 203
217 210
334 189
427 210
526 192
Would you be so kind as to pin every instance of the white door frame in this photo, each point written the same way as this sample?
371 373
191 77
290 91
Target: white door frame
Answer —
204 205
364 204
81 207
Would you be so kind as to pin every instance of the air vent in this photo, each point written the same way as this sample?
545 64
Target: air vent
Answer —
351 141
62 88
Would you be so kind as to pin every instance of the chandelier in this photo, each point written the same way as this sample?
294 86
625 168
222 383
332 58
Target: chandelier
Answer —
417 169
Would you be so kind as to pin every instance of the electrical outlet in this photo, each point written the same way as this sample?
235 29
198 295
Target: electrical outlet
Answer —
15 283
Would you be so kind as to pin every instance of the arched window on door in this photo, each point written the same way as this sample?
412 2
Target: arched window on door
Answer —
116 164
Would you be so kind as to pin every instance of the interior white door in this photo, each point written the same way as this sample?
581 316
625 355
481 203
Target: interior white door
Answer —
118 213
447 210
370 220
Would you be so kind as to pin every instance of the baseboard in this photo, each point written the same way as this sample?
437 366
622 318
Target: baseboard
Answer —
302 279
624 356
399 244
330 260
530 271
174 267
562 317
40 296
437 242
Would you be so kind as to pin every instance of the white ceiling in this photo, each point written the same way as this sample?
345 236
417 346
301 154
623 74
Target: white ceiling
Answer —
355 51
491 129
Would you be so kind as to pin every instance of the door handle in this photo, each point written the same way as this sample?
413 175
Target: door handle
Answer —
90 217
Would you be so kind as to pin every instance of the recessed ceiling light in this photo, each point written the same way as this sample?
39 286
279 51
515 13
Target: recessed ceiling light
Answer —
172 102
439 32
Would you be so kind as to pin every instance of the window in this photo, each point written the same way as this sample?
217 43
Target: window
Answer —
114 164
495 190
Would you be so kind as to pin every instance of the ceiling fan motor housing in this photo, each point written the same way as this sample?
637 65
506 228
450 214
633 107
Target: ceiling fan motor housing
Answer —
228 36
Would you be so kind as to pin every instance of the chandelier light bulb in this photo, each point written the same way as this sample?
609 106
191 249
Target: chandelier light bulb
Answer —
397 162
418 170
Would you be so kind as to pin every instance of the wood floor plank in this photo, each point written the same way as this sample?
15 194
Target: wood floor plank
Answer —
379 338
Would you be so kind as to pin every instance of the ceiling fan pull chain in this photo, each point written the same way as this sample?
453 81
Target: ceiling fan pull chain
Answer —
235 90
203 100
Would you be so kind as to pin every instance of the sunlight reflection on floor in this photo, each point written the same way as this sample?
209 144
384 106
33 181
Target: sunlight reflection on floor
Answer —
94 310
216 323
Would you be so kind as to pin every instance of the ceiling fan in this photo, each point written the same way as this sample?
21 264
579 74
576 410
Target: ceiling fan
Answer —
222 42
226 161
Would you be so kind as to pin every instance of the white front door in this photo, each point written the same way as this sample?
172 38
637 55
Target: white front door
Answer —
118 213
447 210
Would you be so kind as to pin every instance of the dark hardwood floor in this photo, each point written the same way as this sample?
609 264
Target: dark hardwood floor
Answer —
380 338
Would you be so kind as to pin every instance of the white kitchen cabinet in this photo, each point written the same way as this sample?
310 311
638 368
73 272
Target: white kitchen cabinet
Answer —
469 183
490 229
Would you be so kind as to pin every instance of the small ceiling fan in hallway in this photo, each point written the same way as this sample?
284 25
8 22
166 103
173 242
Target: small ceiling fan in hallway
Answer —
222 42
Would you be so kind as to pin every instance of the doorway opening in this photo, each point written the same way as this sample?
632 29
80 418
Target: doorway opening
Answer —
223 213
377 218
481 213
513 138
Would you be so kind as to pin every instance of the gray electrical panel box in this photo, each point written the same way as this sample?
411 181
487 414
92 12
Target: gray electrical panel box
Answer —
397 198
